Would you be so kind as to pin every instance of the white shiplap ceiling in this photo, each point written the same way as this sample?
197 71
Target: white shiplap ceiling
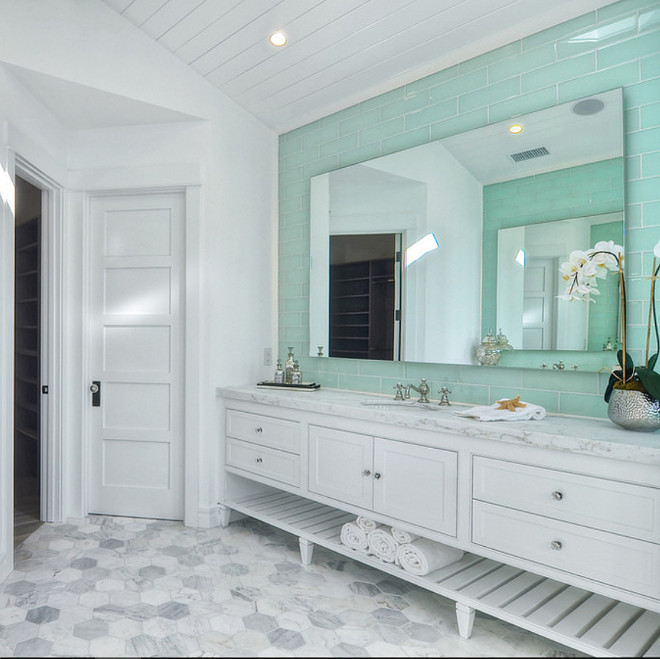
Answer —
340 52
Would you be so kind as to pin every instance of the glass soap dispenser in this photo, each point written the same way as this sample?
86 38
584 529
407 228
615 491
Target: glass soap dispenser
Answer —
288 367
296 376
279 373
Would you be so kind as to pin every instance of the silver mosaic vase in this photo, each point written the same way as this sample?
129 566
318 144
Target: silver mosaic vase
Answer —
634 410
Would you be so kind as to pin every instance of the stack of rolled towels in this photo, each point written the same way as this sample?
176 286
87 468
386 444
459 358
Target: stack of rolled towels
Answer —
411 552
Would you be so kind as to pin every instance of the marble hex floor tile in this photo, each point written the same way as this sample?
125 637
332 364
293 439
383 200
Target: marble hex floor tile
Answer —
123 587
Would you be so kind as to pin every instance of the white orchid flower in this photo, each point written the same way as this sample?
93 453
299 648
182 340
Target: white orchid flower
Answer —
606 253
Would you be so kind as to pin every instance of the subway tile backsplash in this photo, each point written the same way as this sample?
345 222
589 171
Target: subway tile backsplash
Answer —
616 46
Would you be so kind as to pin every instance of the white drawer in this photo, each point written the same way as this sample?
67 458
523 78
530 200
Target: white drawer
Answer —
264 430
269 463
605 557
608 505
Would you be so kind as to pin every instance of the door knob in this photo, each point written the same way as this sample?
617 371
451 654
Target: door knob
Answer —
95 388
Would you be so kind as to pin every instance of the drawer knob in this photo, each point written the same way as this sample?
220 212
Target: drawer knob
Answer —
258 429
557 496
556 545
366 472
376 475
259 460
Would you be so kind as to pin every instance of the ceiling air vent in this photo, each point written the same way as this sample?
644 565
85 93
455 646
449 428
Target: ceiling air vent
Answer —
531 153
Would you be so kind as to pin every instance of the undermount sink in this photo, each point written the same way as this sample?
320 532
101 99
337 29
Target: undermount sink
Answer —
389 404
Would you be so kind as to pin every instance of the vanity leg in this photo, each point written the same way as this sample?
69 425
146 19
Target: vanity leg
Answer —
224 514
306 550
465 619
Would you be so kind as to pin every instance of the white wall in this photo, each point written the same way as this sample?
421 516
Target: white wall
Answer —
223 152
450 275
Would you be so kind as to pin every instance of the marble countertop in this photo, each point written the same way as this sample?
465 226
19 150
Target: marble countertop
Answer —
575 434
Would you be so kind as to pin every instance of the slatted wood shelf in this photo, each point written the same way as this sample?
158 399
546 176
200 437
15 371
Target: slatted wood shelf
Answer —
588 622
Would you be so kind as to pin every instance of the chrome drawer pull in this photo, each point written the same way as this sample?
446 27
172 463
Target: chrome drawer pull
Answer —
366 472
557 496
259 460
556 545
376 475
258 429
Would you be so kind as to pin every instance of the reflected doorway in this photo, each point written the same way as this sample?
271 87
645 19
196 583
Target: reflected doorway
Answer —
365 296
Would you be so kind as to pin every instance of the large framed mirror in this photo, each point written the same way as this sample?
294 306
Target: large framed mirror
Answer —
477 225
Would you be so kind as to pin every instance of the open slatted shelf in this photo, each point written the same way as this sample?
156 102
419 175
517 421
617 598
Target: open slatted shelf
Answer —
591 623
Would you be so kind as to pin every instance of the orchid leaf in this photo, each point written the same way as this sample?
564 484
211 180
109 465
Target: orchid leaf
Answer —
652 360
651 381
610 385
629 362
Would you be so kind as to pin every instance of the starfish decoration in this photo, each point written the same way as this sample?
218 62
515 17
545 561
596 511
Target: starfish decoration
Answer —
510 404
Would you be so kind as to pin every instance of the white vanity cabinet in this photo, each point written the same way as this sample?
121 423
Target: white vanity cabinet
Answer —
404 481
559 519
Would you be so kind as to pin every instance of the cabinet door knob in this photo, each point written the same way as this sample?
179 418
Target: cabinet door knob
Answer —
259 460
376 475
366 472
258 429
557 496
556 545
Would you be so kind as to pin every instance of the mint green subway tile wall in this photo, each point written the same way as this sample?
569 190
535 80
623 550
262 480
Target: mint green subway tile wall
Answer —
543 198
603 326
616 46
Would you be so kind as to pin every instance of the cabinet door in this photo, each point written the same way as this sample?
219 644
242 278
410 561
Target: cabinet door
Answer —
340 465
416 484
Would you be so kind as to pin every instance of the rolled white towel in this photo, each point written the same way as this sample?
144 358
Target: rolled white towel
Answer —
403 537
353 536
366 524
423 556
382 545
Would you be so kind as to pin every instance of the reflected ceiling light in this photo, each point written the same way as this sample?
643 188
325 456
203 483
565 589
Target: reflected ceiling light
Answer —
514 129
520 257
426 244
588 106
277 38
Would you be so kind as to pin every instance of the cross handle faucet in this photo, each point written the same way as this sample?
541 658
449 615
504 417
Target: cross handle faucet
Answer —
423 391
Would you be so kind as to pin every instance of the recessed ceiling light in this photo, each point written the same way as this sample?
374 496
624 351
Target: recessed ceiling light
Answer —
278 38
515 129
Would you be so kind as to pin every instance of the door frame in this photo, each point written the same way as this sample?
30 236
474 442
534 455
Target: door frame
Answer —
51 337
51 467
193 515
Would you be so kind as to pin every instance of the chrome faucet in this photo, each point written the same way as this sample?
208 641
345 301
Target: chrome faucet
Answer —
560 366
399 391
423 390
444 399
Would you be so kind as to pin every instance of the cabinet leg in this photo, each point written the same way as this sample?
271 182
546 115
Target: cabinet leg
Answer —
465 619
224 514
306 551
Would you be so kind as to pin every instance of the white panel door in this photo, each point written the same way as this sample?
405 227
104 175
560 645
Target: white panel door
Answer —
538 305
417 484
340 465
136 439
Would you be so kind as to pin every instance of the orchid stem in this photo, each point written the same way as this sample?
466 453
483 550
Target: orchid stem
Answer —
622 287
648 325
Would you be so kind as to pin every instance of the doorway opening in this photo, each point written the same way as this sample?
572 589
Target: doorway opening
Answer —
365 296
28 360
